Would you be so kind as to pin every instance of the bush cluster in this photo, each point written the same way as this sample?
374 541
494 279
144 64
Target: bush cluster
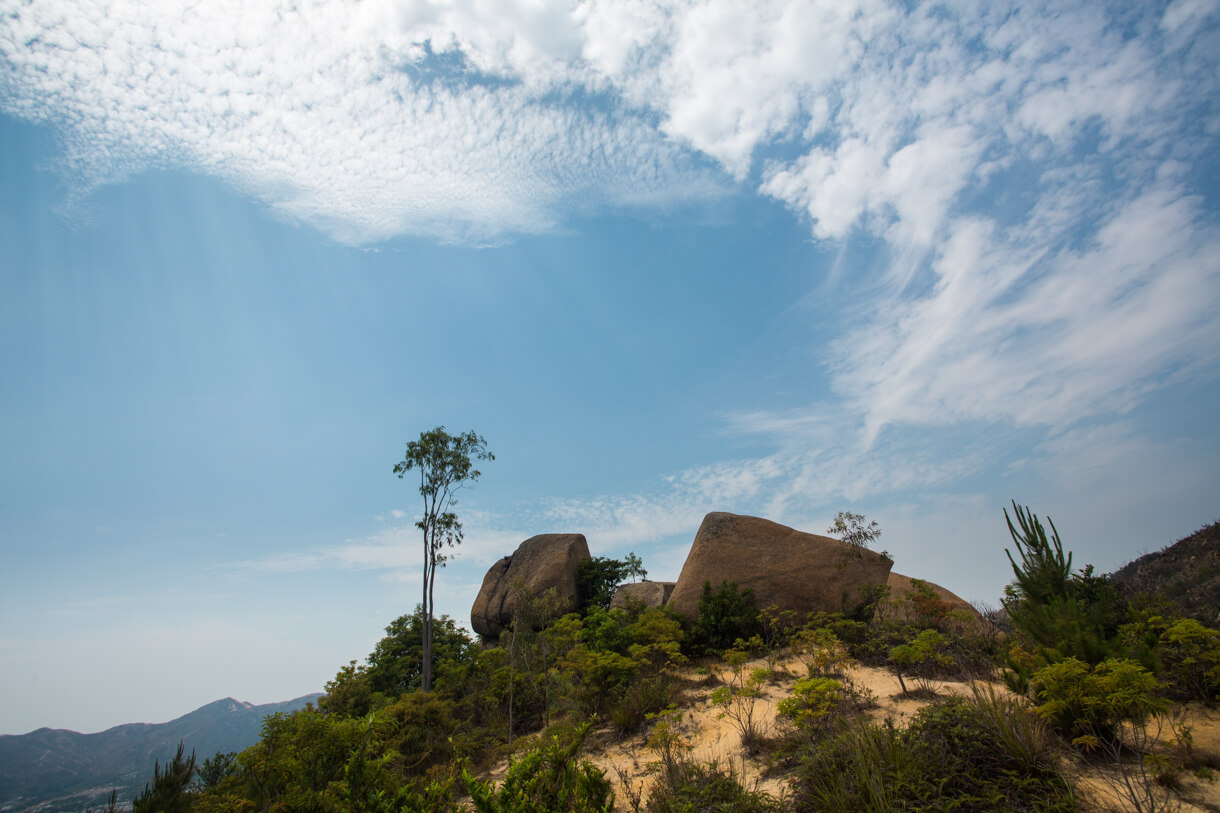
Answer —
1091 671
957 754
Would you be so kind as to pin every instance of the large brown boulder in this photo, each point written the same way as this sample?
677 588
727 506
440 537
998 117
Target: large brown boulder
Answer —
786 568
539 564
650 594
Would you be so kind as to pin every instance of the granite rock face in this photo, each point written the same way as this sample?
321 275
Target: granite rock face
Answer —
650 594
786 568
540 563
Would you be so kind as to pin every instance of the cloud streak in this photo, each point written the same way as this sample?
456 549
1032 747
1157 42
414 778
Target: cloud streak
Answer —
1012 333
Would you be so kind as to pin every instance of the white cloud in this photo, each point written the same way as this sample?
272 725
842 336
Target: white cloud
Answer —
396 551
1012 333
330 113
467 120
1027 167
391 549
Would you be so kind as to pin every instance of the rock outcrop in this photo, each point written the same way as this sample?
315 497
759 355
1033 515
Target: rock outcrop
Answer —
540 563
786 568
650 594
897 605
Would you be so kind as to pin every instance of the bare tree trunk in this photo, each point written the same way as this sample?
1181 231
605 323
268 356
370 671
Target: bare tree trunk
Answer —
512 681
428 630
425 609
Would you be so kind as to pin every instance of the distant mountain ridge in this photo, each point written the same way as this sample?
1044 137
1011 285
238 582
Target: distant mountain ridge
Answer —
52 770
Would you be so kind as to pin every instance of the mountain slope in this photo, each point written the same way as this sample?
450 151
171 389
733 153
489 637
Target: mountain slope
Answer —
1186 574
53 769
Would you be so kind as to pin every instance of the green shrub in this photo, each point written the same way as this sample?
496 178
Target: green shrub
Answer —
505 696
423 728
985 752
607 630
820 650
655 639
646 696
1190 658
598 578
868 642
815 708
723 617
812 702
778 626
923 658
690 787
395 666
666 740
1087 703
1017 729
950 758
619 663
311 761
738 698
599 678
546 779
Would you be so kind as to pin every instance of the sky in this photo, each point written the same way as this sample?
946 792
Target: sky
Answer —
783 258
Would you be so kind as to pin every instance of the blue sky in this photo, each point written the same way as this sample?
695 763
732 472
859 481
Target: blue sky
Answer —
668 257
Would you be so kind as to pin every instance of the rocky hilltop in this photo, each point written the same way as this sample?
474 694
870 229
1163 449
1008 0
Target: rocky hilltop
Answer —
1185 574
785 568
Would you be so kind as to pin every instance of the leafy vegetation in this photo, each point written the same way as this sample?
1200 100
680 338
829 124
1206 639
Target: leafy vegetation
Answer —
549 778
856 530
691 786
1059 612
724 616
377 741
924 658
598 577
395 666
738 698
951 757
167 793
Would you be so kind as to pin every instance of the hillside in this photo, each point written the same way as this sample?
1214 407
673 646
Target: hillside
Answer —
52 770
1086 703
635 765
1185 574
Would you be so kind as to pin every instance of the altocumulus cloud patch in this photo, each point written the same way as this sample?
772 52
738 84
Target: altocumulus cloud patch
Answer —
314 109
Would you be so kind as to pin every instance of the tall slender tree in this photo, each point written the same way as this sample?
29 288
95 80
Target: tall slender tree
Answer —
446 464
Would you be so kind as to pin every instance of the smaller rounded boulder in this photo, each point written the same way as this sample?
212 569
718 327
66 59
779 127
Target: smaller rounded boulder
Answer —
539 564
650 594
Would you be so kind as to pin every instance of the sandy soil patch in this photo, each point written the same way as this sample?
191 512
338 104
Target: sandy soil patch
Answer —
632 766
712 738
